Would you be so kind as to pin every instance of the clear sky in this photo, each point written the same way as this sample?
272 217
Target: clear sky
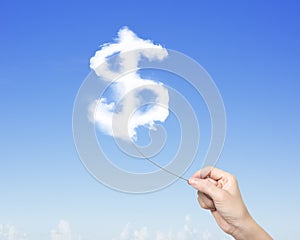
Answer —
250 48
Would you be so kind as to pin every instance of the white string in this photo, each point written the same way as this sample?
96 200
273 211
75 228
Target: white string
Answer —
156 164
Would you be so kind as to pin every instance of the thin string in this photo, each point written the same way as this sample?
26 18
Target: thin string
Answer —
156 164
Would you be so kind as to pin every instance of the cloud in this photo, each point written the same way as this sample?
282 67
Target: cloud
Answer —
62 231
125 234
10 232
128 233
206 235
125 42
188 232
141 234
123 112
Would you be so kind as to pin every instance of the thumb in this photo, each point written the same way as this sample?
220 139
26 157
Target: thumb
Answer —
206 186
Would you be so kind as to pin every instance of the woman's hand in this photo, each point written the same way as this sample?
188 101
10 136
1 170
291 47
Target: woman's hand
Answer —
218 192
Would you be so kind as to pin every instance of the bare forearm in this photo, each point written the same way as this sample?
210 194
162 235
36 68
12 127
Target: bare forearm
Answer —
250 230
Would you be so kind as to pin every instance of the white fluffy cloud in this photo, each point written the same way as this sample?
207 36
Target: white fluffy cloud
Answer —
10 232
62 231
141 234
188 232
128 233
121 115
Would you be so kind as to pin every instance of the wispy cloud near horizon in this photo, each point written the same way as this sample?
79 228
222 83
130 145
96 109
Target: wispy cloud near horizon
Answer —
187 232
10 232
123 113
62 231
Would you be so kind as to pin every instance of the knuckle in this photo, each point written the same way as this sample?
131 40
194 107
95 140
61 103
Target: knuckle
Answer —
233 178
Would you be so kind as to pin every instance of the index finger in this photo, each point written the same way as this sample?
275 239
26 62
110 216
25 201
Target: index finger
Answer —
203 172
217 174
211 172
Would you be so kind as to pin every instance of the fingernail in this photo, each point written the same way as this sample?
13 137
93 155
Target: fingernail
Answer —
193 182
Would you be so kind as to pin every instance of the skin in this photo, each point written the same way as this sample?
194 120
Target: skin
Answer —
218 192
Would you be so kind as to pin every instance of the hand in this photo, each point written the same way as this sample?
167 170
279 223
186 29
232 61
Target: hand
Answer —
218 192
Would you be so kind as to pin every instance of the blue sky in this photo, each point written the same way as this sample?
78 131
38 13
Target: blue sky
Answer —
250 48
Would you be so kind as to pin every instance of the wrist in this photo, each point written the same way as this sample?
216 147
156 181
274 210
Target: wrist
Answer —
249 229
